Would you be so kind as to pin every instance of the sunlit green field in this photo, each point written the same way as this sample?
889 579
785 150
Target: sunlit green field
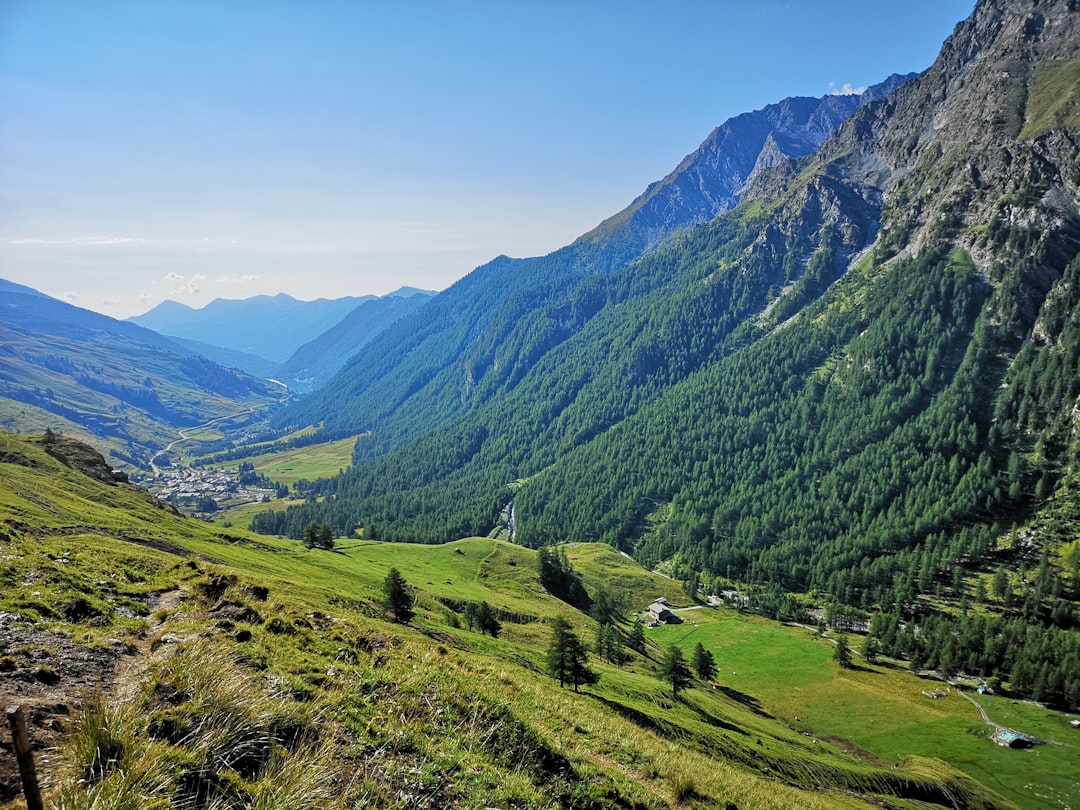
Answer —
241 515
310 462
788 672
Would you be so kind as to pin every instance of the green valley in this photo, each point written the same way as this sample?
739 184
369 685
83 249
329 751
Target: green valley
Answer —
763 493
414 708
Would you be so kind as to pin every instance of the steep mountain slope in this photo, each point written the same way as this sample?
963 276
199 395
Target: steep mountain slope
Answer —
124 384
230 358
478 337
854 382
272 327
318 360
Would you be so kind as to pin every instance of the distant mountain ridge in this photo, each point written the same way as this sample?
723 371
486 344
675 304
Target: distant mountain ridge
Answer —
279 336
269 326
711 180
319 359
126 386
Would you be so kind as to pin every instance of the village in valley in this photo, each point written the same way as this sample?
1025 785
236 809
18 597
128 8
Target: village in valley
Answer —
207 490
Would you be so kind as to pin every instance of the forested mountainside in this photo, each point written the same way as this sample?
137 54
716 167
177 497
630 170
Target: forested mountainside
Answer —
863 380
128 387
315 362
476 339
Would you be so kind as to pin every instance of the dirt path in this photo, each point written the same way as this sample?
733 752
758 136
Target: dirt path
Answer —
48 675
982 711
127 676
51 676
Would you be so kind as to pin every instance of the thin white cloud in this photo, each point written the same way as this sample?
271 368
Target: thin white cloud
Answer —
846 90
237 280
109 302
106 240
70 297
96 241
172 278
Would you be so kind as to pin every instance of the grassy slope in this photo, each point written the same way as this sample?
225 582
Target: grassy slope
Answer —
309 462
1054 102
108 361
880 709
438 711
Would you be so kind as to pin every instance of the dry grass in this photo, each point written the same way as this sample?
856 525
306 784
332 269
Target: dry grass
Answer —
202 732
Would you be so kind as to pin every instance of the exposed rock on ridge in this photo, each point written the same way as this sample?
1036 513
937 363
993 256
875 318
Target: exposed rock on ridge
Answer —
711 180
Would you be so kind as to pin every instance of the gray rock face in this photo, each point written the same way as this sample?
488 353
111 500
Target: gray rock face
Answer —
956 150
712 179
958 146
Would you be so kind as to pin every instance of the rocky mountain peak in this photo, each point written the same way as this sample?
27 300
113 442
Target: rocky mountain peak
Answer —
713 178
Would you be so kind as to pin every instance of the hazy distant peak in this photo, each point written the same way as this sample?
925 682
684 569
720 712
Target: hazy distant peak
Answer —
12 287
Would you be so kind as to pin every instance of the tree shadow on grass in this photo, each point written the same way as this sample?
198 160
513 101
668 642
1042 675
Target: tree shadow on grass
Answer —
646 721
853 667
749 701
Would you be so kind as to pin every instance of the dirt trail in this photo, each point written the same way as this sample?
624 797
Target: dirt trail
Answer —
982 711
128 674
51 676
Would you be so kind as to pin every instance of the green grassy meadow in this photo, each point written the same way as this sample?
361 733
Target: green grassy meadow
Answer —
241 514
309 462
878 712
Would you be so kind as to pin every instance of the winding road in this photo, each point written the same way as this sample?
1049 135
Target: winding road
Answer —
185 431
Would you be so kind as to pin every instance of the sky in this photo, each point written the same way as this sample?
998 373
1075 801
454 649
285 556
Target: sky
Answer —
197 149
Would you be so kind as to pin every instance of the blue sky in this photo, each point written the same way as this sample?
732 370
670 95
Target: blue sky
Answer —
195 149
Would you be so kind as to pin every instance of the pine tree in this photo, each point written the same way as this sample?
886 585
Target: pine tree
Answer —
603 607
609 643
319 535
999 586
691 585
470 614
399 596
842 653
674 670
567 658
487 620
637 637
704 663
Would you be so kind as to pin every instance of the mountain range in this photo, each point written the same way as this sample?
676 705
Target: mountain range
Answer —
300 343
525 363
119 384
130 388
853 381
826 371
267 326
417 366
835 350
